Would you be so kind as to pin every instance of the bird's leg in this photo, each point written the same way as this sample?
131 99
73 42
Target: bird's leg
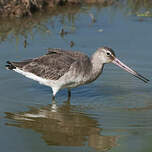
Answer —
55 90
53 97
69 95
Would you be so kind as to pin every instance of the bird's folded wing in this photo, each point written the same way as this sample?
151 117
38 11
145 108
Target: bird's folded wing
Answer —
51 66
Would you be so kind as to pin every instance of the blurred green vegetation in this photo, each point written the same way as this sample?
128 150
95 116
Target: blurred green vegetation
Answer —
139 7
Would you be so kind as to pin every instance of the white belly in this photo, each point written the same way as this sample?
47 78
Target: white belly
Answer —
34 77
66 81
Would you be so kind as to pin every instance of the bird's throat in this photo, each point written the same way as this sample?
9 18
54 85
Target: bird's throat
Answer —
97 68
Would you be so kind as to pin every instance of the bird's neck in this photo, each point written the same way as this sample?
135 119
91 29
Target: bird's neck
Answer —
97 66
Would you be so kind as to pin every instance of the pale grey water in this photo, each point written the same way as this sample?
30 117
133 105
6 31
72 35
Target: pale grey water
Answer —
112 114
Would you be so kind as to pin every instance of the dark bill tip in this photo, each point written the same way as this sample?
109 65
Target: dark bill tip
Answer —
141 78
126 68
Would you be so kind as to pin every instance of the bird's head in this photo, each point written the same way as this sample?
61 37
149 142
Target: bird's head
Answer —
107 55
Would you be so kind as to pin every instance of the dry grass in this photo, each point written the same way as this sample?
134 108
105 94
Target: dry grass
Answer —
20 8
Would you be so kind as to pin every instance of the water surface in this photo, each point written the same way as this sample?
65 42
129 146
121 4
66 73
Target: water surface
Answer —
112 114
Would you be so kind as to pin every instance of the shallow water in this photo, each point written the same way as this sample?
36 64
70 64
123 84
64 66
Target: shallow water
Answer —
112 114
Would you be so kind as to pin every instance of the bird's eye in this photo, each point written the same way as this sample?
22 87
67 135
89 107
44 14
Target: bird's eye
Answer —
108 54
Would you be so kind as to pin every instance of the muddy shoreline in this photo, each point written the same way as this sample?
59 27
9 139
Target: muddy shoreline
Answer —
22 8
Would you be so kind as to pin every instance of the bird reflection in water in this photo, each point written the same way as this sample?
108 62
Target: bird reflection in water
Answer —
63 126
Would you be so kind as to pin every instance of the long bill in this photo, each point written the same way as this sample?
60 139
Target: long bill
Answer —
126 68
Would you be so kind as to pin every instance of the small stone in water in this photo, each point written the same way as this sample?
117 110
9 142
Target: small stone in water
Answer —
100 30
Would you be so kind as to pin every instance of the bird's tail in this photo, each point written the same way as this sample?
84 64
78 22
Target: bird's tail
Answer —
10 66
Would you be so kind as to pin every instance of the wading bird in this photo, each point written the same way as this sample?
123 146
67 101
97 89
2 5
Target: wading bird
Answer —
61 69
